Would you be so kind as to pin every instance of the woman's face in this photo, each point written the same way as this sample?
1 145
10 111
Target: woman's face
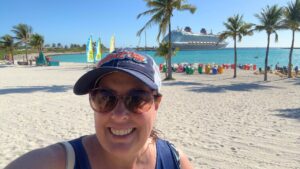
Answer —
121 131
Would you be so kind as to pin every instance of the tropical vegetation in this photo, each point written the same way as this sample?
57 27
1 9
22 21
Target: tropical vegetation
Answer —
163 51
291 21
236 28
23 34
270 19
28 42
7 43
37 41
162 11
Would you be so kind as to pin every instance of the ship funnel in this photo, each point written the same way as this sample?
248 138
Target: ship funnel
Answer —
203 31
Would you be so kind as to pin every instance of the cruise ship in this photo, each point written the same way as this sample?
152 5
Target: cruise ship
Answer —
185 39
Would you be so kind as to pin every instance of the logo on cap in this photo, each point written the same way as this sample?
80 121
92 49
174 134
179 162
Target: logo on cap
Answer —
122 55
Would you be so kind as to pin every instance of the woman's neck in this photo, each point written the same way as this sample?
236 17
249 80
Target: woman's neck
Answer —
98 156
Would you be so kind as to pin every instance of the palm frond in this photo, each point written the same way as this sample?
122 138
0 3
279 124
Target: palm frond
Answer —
188 7
236 28
154 20
149 12
270 19
292 16
239 37
276 36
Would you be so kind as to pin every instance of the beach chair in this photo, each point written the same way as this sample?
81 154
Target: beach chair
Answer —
53 63
214 71
232 66
180 69
189 70
160 67
254 67
227 66
164 68
207 69
220 69
200 68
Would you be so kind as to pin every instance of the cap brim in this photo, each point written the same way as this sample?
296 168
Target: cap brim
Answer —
87 81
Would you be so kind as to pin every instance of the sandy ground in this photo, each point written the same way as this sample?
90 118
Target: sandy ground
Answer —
219 122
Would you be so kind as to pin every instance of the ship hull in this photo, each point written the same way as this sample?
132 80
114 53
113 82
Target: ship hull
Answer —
198 46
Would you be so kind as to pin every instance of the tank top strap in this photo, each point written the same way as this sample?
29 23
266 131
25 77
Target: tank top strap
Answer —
81 158
167 157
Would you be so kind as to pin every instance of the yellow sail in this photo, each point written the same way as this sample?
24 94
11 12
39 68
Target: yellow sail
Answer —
98 50
112 44
89 50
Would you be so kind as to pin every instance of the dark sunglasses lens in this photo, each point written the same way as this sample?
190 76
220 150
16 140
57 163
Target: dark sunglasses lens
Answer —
103 101
139 101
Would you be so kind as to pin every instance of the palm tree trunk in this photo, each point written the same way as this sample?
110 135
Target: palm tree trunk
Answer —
12 56
169 64
26 52
266 60
235 58
290 56
166 73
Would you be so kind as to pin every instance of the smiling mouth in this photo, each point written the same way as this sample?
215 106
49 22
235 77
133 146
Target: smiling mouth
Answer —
121 132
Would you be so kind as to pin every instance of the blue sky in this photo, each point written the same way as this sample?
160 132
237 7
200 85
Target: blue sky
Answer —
73 21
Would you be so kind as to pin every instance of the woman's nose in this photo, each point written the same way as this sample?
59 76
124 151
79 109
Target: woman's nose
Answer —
120 111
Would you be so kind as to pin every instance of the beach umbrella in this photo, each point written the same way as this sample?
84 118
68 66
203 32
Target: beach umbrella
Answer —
89 50
112 44
98 50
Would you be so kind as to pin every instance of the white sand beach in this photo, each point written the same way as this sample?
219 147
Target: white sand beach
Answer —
219 122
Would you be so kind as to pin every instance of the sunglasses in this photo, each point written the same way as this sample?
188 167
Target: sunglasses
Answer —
136 101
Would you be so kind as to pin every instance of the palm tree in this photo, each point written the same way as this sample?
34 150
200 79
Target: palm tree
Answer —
23 33
7 42
37 41
162 11
163 51
236 29
270 21
292 21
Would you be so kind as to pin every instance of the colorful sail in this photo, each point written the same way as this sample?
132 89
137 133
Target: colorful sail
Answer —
98 50
89 50
112 44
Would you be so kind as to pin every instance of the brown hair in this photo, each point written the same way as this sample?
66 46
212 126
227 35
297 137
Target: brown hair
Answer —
154 133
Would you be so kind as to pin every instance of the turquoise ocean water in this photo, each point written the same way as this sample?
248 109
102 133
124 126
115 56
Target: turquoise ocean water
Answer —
245 56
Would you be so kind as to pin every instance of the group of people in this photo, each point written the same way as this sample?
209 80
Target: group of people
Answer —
8 59
125 95
284 69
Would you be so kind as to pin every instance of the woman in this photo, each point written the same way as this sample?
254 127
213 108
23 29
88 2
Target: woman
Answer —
124 94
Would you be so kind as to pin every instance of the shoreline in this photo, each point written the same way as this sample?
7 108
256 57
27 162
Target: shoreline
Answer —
19 57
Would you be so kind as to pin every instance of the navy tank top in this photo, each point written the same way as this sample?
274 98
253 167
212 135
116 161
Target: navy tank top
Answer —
167 156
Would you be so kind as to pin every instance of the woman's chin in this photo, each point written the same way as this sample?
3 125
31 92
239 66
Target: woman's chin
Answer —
121 143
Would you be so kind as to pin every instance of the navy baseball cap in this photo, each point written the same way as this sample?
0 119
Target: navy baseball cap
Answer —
138 65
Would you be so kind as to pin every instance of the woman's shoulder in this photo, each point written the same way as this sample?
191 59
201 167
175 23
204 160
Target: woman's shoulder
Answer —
50 157
177 153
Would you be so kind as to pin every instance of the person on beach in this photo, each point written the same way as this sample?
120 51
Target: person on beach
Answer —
277 66
124 93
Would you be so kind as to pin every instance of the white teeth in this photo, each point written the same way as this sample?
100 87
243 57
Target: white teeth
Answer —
120 132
